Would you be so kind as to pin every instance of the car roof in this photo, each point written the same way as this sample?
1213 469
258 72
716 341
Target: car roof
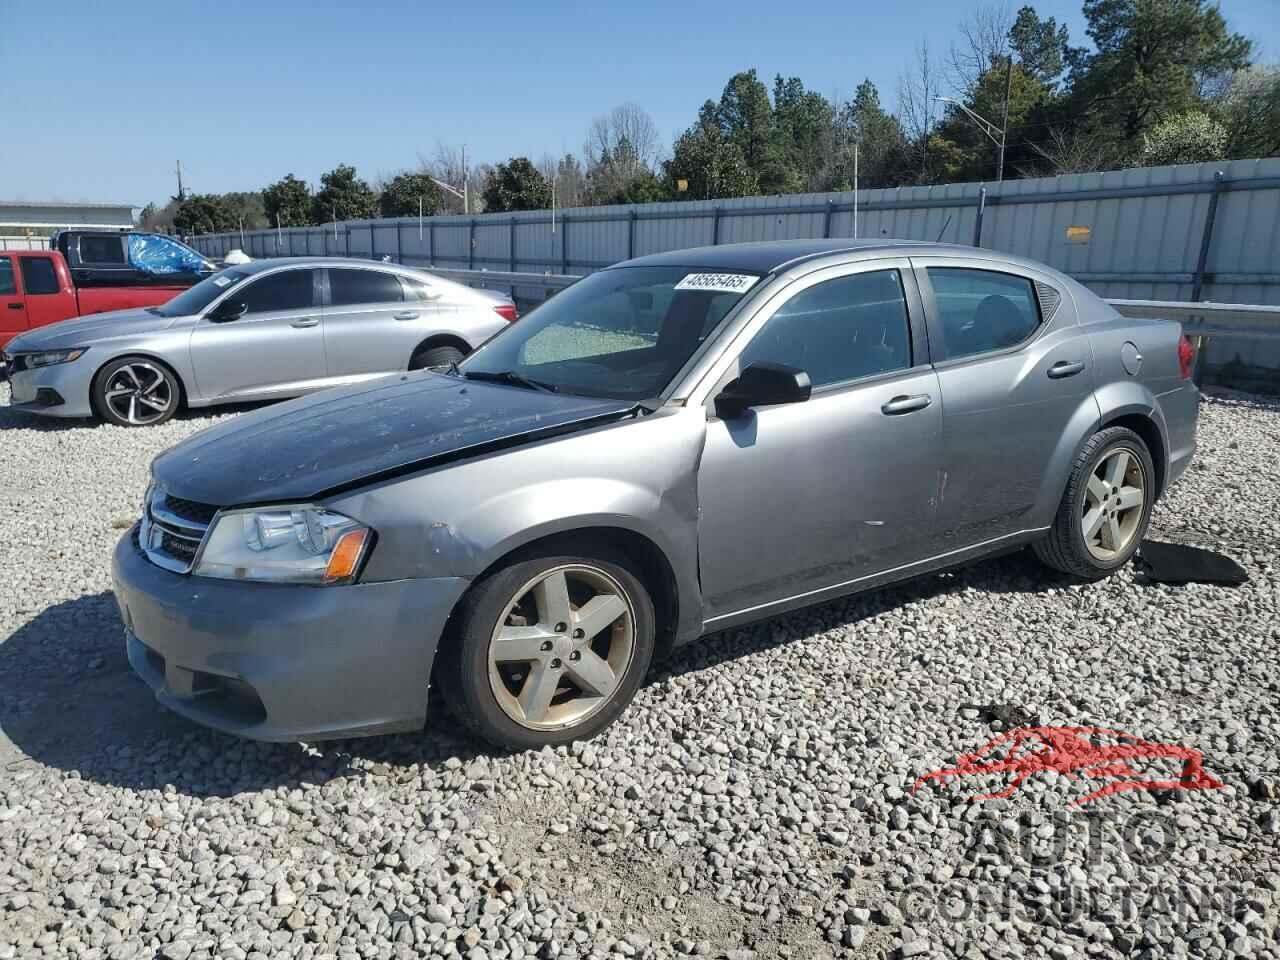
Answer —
268 263
770 256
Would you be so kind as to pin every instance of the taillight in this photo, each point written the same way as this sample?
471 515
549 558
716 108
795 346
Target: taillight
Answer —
1186 357
507 311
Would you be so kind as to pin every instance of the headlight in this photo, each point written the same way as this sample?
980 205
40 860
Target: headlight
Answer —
302 544
49 357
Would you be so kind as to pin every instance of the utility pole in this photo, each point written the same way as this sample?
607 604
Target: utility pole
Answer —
181 193
987 127
855 189
466 182
1004 124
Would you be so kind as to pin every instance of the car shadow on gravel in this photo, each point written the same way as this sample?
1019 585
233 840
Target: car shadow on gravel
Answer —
11 419
69 700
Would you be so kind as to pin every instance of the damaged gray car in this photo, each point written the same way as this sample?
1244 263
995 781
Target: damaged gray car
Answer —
673 446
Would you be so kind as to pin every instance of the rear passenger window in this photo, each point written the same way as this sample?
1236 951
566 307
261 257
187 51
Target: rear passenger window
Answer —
38 275
839 330
287 290
349 287
416 290
7 286
102 250
981 310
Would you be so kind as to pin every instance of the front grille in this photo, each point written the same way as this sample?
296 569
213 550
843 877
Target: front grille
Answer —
173 530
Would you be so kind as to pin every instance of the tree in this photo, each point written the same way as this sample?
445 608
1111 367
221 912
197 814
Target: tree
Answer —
1247 103
803 122
1039 46
568 178
745 116
343 196
983 41
246 207
204 213
516 185
1190 138
881 143
614 158
407 194
711 163
970 153
450 166
287 202
918 88
1151 61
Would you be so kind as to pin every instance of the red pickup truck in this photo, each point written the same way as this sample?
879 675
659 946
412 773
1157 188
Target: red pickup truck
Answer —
87 272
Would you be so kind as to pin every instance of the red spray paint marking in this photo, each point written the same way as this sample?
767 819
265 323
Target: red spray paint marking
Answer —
1071 752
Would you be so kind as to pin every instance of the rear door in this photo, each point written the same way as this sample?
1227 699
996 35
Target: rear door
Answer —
1016 377
370 328
276 349
13 308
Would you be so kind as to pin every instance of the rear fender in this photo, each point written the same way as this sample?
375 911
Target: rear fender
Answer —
1082 425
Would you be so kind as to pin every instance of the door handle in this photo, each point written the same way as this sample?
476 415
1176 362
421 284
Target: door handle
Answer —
305 322
407 315
1065 368
15 306
905 404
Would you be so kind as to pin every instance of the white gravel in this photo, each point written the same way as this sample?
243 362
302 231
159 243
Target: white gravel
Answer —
754 801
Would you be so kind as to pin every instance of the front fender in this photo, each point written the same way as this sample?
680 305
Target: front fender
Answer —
461 519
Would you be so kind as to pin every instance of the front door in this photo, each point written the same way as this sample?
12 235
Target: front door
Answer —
276 349
806 497
1015 371
13 308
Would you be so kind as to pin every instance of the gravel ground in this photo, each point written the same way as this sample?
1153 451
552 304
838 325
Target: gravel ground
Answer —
755 800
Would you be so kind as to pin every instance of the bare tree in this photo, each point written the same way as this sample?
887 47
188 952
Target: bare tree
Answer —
625 140
449 165
1070 150
917 89
983 40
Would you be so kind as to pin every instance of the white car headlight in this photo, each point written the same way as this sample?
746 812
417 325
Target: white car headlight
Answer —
296 544
49 357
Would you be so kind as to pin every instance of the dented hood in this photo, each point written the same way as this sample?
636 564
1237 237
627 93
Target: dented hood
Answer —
342 438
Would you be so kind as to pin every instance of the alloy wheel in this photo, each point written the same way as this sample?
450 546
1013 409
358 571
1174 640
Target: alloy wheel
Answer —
562 647
1114 501
139 393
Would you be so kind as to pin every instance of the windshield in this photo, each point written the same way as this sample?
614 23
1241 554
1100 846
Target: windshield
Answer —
195 299
621 333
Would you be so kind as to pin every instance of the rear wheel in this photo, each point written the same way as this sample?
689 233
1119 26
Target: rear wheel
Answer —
548 650
136 392
435 358
1107 507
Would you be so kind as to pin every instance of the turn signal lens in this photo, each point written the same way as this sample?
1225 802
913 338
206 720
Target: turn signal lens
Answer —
346 556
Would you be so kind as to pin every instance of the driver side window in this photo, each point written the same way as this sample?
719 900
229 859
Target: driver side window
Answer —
287 290
838 330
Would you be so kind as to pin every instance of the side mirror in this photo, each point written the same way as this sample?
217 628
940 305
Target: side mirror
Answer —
228 310
763 385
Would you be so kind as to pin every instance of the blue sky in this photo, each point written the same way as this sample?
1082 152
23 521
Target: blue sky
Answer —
109 94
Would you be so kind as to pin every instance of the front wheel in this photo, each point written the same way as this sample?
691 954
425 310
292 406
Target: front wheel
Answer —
435 358
1107 507
548 650
135 392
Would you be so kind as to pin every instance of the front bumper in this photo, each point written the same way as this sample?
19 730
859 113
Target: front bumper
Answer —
58 390
283 662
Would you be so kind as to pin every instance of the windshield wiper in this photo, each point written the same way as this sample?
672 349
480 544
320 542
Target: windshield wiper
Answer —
510 377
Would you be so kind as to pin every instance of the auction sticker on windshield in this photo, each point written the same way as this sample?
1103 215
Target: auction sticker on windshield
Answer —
718 282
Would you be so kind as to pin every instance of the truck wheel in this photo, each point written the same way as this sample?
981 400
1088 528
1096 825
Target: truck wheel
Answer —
1106 509
435 358
135 392
547 650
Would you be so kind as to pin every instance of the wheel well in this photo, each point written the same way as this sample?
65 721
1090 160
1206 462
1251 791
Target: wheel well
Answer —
93 382
651 566
442 340
1146 428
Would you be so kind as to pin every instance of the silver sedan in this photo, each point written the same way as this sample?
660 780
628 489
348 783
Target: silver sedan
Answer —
265 330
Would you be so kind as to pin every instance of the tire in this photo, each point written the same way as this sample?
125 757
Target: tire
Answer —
1069 547
487 682
432 358
136 392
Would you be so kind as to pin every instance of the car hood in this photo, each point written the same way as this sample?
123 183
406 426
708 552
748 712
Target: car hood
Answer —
340 439
86 331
